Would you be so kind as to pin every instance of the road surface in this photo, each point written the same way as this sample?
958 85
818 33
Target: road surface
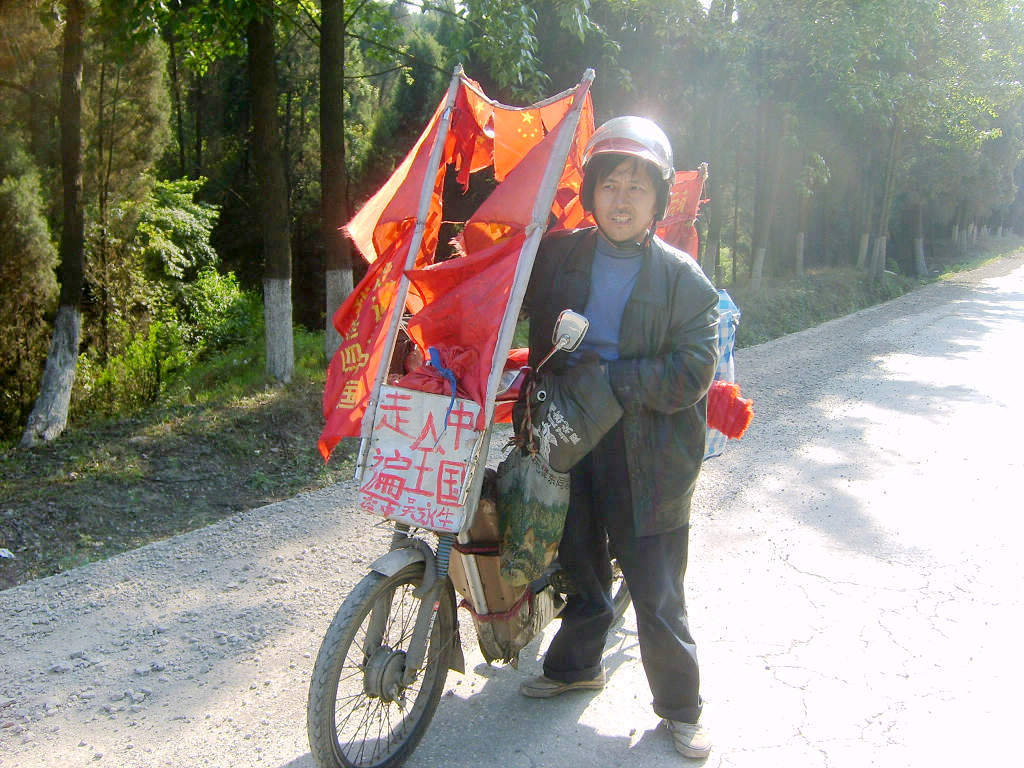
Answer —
855 588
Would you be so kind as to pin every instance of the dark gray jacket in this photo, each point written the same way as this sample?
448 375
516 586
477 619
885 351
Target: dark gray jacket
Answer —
668 352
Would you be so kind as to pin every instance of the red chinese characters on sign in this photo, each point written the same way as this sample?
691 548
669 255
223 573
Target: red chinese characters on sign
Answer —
416 472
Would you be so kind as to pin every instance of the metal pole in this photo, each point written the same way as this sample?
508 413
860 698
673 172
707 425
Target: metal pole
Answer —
538 223
535 230
398 306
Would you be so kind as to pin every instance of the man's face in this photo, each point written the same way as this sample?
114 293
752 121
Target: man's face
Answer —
624 202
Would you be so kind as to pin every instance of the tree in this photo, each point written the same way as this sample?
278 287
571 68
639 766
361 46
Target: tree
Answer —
333 176
50 414
126 131
28 288
275 222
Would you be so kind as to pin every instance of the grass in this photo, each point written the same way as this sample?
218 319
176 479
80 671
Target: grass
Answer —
791 305
222 439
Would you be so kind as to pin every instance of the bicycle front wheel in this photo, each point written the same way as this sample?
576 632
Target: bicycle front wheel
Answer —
359 714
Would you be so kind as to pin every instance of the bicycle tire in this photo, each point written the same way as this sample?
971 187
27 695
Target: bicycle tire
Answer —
341 690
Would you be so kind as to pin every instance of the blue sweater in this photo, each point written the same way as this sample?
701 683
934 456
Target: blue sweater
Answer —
611 282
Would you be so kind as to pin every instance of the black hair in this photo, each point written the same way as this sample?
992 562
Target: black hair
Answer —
600 168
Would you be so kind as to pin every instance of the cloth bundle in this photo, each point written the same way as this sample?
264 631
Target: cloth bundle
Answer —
729 413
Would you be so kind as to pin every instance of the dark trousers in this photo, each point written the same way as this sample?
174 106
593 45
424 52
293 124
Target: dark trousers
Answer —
600 515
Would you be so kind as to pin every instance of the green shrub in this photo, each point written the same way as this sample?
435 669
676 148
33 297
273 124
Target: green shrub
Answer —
135 378
173 231
219 314
787 307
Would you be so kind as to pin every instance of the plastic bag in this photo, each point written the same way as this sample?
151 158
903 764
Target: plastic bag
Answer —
532 502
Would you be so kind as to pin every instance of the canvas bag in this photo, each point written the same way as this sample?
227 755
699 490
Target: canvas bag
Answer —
569 413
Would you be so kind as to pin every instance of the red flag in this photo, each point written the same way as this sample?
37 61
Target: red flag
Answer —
460 302
454 292
677 227
362 322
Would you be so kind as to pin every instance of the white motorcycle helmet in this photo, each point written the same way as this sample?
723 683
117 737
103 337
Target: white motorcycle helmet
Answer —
633 137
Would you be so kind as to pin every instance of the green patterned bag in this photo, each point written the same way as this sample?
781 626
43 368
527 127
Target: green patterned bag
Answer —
532 502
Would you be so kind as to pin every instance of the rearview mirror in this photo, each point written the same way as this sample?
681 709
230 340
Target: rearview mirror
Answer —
570 328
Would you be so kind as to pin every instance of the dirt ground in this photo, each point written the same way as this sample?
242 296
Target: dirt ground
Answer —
109 488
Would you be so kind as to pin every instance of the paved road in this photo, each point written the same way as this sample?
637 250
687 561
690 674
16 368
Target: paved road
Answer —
855 588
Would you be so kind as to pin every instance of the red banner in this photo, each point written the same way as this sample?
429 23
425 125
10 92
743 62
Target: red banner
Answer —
482 134
677 227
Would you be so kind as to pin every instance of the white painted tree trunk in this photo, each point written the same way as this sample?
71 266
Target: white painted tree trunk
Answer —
49 415
862 250
277 317
800 254
920 265
339 286
757 273
956 232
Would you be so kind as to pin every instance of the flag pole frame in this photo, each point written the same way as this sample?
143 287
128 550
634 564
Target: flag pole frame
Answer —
534 232
402 292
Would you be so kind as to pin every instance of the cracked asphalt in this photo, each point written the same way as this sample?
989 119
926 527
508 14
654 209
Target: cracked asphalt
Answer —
855 588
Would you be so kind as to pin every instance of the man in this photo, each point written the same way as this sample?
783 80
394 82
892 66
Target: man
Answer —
653 331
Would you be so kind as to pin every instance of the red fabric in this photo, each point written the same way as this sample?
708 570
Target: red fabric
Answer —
677 227
459 303
729 413
362 322
427 378
453 294
517 358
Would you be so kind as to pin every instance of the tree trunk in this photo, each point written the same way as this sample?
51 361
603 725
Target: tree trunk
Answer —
735 224
799 265
802 217
333 176
757 269
878 257
49 415
881 234
179 114
865 195
197 124
920 265
769 163
277 253
862 250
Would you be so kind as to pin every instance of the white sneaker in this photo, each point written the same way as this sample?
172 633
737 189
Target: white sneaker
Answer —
690 739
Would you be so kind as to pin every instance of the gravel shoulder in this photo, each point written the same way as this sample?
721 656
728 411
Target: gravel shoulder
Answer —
854 584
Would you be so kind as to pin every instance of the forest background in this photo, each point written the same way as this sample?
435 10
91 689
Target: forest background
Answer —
173 176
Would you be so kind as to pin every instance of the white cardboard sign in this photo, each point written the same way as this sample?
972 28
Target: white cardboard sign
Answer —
420 459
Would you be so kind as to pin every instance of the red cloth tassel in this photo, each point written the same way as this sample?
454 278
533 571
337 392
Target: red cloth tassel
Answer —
729 413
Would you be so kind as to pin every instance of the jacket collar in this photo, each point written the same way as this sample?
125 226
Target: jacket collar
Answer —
650 283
